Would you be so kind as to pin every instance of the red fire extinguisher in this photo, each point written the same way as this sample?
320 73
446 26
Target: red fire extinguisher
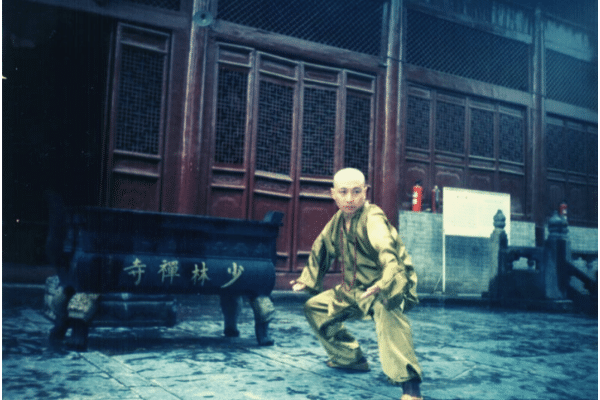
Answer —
562 210
417 196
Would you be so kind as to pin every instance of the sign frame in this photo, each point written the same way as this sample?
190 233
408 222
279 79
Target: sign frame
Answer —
470 213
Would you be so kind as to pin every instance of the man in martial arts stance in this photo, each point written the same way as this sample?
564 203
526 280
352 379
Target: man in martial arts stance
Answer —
378 280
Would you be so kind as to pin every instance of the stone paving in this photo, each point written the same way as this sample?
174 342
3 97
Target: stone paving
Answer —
466 353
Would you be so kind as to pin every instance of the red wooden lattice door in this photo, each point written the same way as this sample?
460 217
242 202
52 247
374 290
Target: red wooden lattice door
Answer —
280 128
136 121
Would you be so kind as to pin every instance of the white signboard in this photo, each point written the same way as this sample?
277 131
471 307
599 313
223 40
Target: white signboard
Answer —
471 212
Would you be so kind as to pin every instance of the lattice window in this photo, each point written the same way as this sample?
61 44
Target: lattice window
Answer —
575 150
174 5
322 147
450 128
354 25
358 127
485 124
511 137
318 131
274 136
571 80
139 101
456 49
572 157
482 133
571 147
555 146
231 116
417 122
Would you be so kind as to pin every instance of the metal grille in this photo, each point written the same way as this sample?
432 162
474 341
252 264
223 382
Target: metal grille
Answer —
354 25
274 137
511 138
417 123
450 128
231 116
575 150
165 4
139 101
358 128
318 131
571 80
460 50
482 133
554 146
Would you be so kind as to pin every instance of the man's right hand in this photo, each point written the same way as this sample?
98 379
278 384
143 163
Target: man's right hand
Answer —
297 286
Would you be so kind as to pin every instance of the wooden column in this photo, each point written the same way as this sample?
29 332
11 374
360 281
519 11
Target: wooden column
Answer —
536 142
189 174
389 167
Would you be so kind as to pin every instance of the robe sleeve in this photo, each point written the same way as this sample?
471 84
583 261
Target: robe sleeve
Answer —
398 280
320 259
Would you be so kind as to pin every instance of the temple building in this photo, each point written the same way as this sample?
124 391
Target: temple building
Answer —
233 108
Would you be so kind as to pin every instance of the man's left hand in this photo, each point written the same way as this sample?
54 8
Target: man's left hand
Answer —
371 291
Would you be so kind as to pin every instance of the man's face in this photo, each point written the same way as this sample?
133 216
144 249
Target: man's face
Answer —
349 195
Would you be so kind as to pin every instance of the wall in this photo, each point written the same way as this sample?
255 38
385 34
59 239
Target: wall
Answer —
583 239
467 259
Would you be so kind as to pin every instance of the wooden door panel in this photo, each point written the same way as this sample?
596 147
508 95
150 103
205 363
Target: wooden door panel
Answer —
315 209
227 203
449 176
481 180
313 215
137 120
274 192
135 181
577 201
273 149
264 203
515 186
228 193
135 192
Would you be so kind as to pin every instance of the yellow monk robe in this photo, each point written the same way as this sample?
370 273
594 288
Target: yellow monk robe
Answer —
370 253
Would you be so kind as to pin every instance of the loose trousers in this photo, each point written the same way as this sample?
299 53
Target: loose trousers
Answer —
394 336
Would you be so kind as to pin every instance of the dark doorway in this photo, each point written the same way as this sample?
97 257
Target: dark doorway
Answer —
54 84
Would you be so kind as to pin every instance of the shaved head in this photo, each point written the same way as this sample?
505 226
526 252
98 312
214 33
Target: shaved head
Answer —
348 175
349 190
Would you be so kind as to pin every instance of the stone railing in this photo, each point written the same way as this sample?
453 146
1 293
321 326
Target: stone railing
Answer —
550 268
